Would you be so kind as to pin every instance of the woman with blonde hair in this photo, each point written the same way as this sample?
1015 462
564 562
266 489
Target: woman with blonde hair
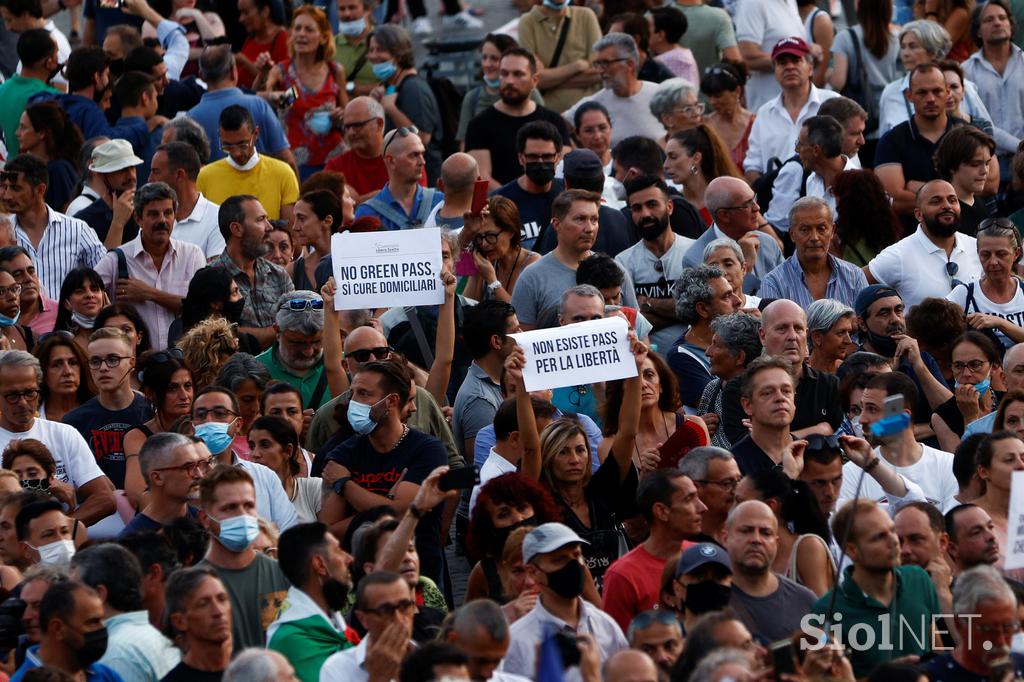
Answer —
695 157
206 347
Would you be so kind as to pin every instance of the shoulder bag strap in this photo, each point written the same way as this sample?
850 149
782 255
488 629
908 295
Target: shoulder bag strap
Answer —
557 54
426 206
388 212
970 299
122 264
318 392
360 63
412 314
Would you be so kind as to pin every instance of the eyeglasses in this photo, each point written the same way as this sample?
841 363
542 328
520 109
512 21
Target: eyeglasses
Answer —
973 365
1006 629
745 206
111 361
603 64
363 354
488 238
951 269
217 412
691 109
647 618
62 333
817 442
160 357
406 606
303 304
404 131
724 484
229 146
14 289
201 466
534 158
355 124
14 397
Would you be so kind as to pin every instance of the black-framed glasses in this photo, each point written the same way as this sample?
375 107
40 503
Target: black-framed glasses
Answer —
218 412
404 131
817 442
13 289
355 124
111 361
973 365
745 206
364 354
490 238
14 397
303 304
405 606
726 484
62 333
162 356
603 64
201 466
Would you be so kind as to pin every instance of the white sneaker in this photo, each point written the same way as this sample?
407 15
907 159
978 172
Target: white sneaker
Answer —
463 20
422 27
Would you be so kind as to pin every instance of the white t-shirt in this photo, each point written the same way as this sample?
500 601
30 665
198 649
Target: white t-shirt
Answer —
1013 310
765 22
916 268
631 115
495 465
933 472
643 266
75 462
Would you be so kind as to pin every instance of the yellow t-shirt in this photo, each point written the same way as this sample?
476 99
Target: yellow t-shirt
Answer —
273 182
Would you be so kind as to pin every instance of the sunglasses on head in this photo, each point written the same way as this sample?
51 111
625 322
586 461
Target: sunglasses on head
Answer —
817 442
162 356
303 304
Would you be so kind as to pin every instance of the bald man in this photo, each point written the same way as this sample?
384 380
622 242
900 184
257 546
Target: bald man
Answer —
630 666
330 424
733 206
936 257
458 175
769 604
818 407
402 203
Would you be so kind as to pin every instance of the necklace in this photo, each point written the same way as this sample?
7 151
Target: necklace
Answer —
405 432
513 270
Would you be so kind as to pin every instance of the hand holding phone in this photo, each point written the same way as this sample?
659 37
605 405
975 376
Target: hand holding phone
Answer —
462 478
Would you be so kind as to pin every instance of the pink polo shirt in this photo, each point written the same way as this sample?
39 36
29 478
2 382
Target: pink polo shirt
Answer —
43 322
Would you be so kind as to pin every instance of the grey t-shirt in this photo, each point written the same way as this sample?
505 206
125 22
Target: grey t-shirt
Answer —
880 72
709 32
631 115
541 285
776 616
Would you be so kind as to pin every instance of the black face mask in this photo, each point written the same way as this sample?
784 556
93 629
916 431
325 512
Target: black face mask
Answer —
116 68
496 541
883 345
652 228
567 582
233 310
540 172
93 647
36 484
335 594
707 596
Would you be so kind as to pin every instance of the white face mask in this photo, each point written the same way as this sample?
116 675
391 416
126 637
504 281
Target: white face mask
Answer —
57 553
1017 644
858 430
247 166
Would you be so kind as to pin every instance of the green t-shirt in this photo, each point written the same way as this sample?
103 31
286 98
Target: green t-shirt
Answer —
257 593
349 55
14 94
709 32
307 384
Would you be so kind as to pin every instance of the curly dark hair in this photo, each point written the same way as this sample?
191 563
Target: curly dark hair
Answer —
860 201
513 489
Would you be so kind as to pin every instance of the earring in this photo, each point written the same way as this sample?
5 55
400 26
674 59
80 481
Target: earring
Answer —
693 169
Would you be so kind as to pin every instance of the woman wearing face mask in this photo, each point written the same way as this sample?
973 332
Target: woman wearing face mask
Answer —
320 82
498 252
13 336
33 464
318 215
997 458
976 363
803 554
991 302
274 443
212 294
167 384
65 386
82 297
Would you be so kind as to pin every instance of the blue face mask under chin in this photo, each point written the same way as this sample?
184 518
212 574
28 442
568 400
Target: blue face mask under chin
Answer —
492 82
9 321
982 386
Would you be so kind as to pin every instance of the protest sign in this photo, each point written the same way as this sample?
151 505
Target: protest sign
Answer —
1015 524
577 354
386 269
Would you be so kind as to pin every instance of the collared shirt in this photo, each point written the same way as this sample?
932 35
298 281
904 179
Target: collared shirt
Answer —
44 320
494 466
1003 95
538 33
349 665
180 263
261 295
365 209
201 228
137 650
97 672
786 190
916 267
67 243
769 255
477 402
306 383
774 131
528 631
207 114
845 280
765 22
348 55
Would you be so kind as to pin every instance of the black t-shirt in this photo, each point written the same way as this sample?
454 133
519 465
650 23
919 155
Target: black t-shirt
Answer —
186 673
615 234
750 458
496 132
98 216
534 209
419 454
971 216
104 431
654 71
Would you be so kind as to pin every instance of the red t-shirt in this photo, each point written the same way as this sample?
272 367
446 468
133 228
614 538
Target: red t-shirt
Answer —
252 48
363 175
632 585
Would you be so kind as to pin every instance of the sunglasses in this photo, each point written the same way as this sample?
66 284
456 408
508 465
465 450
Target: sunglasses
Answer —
951 269
162 356
363 354
817 442
646 619
303 304
404 131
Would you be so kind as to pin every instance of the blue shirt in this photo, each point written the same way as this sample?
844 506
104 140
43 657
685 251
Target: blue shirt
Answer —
88 116
365 209
94 673
271 139
136 650
578 399
787 281
485 440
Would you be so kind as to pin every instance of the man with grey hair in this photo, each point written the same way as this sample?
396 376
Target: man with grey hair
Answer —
297 357
735 343
20 378
480 630
733 206
812 273
363 161
259 665
185 129
172 466
985 629
701 294
716 475
723 664
624 95
153 271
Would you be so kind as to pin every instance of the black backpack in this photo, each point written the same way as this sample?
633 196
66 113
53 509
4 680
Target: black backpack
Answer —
449 107
858 87
764 186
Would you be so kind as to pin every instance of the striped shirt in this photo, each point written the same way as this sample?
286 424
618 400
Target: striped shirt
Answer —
67 243
787 281
261 296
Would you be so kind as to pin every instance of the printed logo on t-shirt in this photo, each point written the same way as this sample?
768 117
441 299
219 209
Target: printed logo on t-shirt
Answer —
660 289
377 480
530 230
108 443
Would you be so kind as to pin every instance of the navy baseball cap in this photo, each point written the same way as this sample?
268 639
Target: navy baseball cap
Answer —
698 555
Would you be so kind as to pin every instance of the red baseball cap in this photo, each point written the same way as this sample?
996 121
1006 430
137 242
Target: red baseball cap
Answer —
792 45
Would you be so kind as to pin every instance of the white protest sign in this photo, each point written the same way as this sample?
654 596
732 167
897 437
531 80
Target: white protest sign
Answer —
386 269
1014 549
577 354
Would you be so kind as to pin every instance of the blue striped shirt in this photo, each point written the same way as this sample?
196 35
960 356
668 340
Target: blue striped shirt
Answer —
67 243
787 281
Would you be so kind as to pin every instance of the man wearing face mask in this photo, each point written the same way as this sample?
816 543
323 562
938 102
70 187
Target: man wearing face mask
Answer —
539 145
352 43
702 583
254 581
45 534
311 627
553 559
74 636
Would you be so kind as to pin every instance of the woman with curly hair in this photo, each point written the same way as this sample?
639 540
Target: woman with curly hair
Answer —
206 347
861 200
66 385
693 158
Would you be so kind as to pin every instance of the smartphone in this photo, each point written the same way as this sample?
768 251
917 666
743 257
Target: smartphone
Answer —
782 657
462 478
479 197
289 96
892 406
568 648
466 266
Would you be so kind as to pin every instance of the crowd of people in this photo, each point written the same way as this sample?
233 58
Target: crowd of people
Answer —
215 468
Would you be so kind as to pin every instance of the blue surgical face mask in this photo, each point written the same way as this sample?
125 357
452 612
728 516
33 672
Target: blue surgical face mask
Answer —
492 82
352 29
237 533
9 321
319 122
384 71
215 435
83 321
557 6
982 386
360 419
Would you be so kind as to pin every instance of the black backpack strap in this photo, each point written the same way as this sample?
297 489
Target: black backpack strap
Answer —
412 314
122 264
318 392
557 54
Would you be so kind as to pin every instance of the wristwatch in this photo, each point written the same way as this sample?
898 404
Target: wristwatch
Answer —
339 485
494 286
